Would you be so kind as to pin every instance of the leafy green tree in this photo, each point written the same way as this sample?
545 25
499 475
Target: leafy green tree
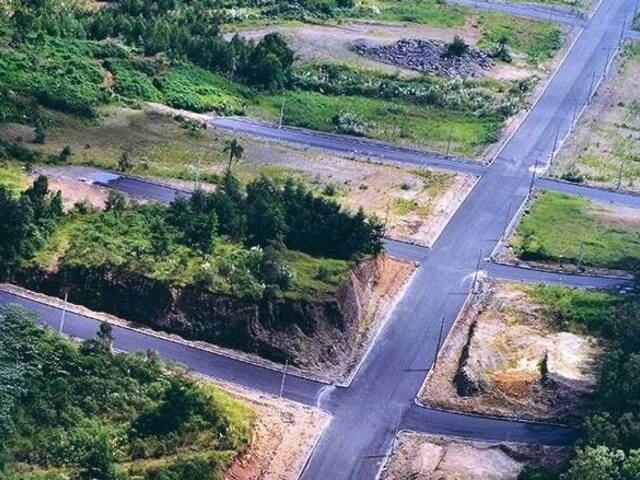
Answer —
116 202
125 162
595 463
235 151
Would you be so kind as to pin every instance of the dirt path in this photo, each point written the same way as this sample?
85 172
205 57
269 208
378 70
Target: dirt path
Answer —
332 43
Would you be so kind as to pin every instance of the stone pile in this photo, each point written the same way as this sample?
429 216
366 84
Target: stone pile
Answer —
428 56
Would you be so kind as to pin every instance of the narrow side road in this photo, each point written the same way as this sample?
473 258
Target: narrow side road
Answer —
348 144
591 193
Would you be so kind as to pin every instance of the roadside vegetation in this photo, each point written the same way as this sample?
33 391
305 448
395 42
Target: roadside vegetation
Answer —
572 232
195 68
84 412
267 240
609 448
604 149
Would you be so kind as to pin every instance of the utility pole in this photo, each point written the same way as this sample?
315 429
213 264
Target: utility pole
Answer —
449 141
475 277
533 176
198 173
620 174
555 145
437 353
506 221
573 118
281 115
593 81
284 376
64 312
386 218
580 255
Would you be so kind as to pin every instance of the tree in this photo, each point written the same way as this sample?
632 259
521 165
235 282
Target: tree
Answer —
457 47
98 462
116 202
595 463
65 153
104 337
235 151
125 163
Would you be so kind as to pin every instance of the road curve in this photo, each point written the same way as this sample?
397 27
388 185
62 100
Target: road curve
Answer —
347 144
206 362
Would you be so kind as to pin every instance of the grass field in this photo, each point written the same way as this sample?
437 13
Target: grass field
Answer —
397 121
605 148
12 175
571 231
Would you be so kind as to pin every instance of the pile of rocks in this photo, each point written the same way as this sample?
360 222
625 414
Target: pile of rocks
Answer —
429 56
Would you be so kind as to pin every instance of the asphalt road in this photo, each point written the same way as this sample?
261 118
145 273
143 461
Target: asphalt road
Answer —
390 376
346 144
595 194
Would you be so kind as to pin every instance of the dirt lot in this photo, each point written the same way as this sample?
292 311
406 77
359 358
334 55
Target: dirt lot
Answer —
502 358
428 457
606 141
332 43
284 436
416 203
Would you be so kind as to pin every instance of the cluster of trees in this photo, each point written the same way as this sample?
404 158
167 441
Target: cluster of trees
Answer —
26 220
97 415
610 446
268 214
178 28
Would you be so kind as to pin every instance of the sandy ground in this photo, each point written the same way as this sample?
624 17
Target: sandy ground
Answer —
332 43
394 278
284 436
606 140
428 457
528 370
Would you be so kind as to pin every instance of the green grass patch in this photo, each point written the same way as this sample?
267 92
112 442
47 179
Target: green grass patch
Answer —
429 12
71 411
12 175
576 310
565 229
538 40
382 119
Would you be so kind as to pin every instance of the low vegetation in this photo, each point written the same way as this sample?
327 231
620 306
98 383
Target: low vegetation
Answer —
83 412
610 446
567 230
604 148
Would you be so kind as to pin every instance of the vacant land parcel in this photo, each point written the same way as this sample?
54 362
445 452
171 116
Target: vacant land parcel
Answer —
514 352
604 149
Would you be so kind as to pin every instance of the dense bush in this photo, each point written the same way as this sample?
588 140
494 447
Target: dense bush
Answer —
472 96
610 446
88 413
26 220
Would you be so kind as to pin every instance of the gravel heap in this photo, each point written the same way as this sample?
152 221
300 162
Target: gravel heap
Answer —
428 56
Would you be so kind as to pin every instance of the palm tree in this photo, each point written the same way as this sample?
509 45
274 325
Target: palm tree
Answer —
234 149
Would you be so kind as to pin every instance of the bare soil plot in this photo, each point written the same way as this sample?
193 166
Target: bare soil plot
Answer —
334 43
604 149
425 457
284 435
503 358
416 203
